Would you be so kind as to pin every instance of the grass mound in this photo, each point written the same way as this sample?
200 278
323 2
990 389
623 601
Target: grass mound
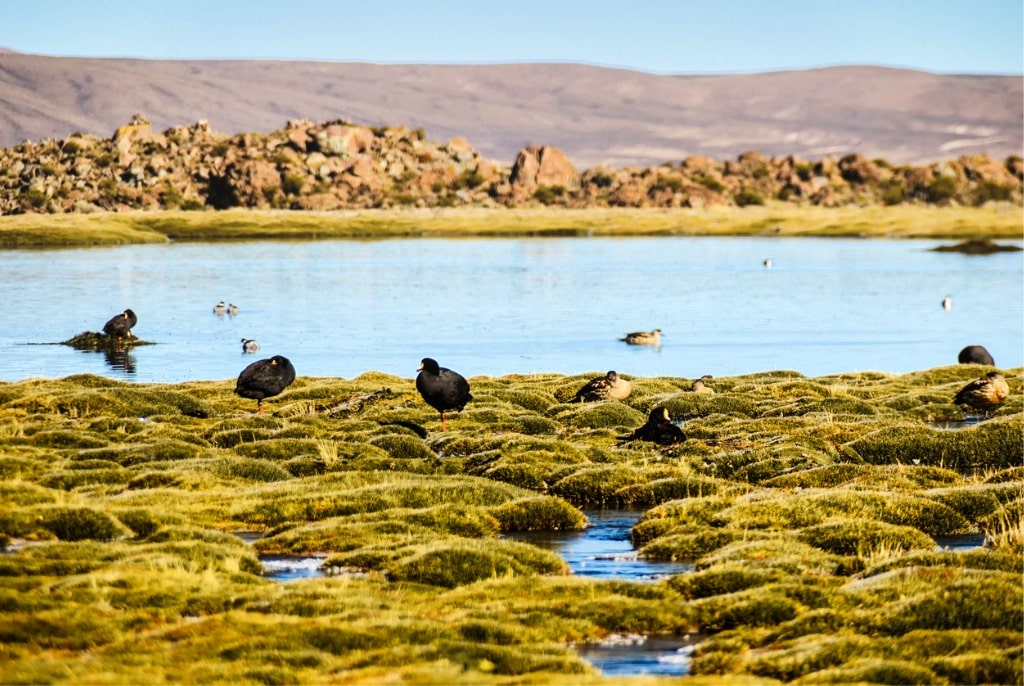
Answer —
808 507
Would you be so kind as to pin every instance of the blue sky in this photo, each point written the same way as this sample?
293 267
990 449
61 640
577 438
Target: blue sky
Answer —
663 36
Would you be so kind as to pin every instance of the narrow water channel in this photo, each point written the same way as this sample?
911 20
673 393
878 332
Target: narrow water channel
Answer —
603 550
641 655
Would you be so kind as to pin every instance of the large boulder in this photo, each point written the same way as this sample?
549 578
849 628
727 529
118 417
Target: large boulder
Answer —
542 166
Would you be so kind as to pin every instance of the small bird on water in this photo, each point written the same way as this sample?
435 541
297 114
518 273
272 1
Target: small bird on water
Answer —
220 308
442 389
120 326
975 354
652 337
249 345
947 303
659 429
984 394
611 386
232 309
265 379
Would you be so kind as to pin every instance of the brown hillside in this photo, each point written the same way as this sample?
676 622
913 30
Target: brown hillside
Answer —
594 114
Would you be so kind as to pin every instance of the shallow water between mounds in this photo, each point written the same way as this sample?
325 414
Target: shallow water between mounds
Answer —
603 550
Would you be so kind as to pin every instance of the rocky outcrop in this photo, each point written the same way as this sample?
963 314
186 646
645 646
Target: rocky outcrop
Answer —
338 164
542 166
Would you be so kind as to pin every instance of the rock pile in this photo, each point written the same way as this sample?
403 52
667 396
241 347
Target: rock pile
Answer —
338 164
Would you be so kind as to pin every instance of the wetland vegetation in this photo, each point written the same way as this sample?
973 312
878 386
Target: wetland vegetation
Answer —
809 507
992 221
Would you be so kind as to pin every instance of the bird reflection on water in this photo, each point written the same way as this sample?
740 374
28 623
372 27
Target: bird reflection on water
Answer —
120 359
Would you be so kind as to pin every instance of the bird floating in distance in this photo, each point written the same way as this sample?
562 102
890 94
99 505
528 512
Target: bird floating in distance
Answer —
120 326
659 429
767 263
611 386
249 345
947 303
975 354
643 337
984 394
442 389
232 309
265 379
220 308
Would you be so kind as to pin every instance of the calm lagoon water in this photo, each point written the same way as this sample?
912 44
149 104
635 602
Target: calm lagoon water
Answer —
500 306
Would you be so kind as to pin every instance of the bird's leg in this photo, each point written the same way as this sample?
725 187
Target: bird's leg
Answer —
444 422
259 406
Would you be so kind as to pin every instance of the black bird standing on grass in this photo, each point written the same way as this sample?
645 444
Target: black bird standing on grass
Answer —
442 388
659 429
120 326
265 379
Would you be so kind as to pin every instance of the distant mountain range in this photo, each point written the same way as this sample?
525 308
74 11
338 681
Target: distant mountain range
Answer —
596 115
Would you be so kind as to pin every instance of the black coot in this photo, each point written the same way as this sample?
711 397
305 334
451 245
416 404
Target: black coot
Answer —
120 326
659 429
975 354
442 388
265 379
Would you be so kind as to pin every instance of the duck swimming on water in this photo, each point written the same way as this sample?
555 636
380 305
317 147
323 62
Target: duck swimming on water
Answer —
442 389
265 379
652 337
249 345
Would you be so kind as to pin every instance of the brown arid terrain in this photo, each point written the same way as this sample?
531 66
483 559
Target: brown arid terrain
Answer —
326 136
341 165
596 115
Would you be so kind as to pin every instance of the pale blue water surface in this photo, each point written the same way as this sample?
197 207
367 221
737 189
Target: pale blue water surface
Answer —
500 306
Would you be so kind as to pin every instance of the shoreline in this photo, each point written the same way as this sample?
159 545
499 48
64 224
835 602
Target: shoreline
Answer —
993 222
